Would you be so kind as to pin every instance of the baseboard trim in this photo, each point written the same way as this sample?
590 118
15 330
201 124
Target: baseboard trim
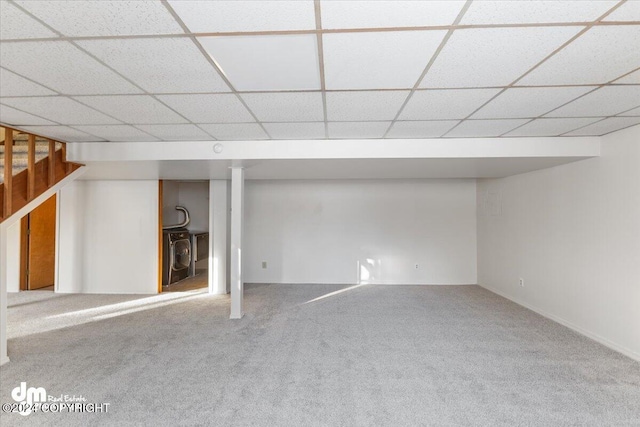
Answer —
4 361
601 340
361 283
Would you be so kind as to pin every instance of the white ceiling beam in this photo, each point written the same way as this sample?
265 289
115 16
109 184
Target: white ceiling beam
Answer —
336 149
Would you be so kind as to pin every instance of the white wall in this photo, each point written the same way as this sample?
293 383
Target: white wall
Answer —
369 231
194 195
170 199
572 233
108 237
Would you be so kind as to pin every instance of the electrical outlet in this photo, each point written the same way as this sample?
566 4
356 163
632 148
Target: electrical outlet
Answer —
416 265
264 264
521 281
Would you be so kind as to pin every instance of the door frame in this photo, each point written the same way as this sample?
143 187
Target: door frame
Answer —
24 246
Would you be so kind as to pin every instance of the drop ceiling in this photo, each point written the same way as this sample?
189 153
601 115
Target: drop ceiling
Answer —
256 70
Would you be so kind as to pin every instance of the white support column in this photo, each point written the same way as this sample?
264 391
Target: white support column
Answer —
218 212
4 358
237 215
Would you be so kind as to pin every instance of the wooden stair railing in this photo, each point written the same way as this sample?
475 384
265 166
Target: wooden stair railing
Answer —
19 189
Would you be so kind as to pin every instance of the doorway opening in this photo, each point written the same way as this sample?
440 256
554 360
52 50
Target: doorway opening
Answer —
38 247
184 235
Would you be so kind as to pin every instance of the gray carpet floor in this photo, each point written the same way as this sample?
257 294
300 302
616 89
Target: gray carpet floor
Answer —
359 356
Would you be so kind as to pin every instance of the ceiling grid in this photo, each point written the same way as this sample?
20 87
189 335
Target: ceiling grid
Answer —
211 60
103 64
429 64
361 103
323 88
568 42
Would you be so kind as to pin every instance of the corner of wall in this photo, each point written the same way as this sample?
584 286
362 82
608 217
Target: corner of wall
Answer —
584 213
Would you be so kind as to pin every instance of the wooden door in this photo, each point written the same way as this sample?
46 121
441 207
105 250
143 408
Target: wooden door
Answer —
42 245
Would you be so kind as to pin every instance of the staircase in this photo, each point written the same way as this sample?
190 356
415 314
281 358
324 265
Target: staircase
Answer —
20 157
29 166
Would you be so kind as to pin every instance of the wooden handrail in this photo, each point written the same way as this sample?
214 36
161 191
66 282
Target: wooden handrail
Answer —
16 191
52 162
67 165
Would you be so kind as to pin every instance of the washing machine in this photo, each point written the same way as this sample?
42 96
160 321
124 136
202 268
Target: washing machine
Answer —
176 255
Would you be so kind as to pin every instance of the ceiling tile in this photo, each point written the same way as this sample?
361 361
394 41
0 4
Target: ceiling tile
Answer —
12 84
240 131
350 106
243 16
529 102
606 126
380 14
598 56
295 130
11 116
219 108
377 60
60 109
550 127
445 104
255 63
176 132
165 65
606 101
634 112
530 12
62 67
633 78
493 56
286 107
357 130
134 109
117 133
15 24
629 11
104 18
484 128
61 133
421 129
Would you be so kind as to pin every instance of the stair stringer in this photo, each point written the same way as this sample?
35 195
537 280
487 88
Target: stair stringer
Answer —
16 216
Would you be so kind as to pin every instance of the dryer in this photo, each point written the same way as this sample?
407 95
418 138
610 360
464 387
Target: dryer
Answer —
176 255
199 249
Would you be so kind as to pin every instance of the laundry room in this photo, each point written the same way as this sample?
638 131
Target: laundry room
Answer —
185 235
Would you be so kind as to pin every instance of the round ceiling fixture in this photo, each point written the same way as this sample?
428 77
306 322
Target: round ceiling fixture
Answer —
218 148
